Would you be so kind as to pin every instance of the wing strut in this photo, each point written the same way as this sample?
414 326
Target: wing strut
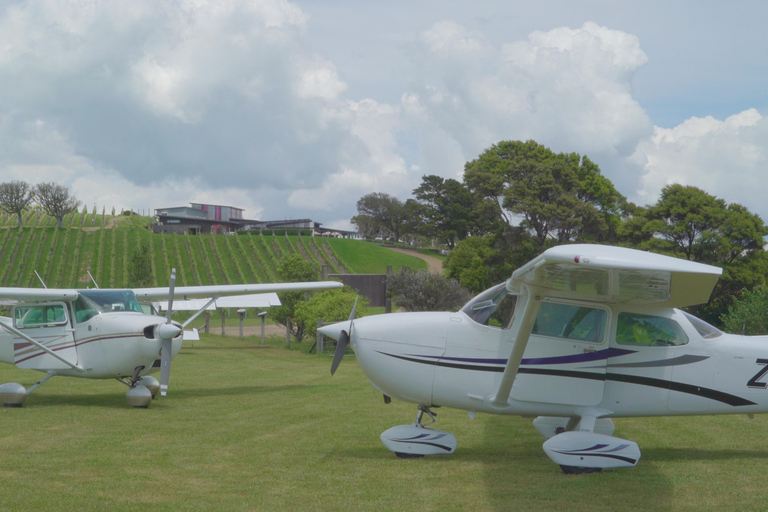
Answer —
42 347
532 305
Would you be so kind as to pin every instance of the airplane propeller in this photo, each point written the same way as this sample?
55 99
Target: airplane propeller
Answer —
167 332
341 345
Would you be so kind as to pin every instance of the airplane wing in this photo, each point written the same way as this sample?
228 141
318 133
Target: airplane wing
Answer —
605 274
196 292
617 274
10 296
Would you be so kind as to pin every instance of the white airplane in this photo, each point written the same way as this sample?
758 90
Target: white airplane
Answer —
577 336
104 334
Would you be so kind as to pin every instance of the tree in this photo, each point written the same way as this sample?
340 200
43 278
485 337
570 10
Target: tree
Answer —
693 224
421 290
385 213
331 306
749 313
294 268
55 200
15 197
140 268
447 209
558 197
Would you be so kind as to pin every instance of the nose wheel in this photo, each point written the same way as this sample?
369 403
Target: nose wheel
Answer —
416 440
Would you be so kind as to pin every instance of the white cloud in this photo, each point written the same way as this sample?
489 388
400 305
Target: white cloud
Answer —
725 158
146 104
570 89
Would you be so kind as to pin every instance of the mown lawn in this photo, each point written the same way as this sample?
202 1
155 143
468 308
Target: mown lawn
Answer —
256 427
369 258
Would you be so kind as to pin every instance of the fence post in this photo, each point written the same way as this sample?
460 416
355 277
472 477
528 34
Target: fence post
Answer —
320 336
262 315
387 301
288 333
241 313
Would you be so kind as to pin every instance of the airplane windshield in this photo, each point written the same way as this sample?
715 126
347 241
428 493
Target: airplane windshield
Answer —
92 302
495 306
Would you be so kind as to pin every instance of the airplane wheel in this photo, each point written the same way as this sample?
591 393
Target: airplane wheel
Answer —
13 394
408 455
576 470
139 397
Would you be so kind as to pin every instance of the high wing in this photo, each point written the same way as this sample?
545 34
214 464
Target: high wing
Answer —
605 274
196 292
16 295
615 274
10 296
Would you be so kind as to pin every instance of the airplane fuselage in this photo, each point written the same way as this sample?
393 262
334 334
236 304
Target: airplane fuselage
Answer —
105 346
448 359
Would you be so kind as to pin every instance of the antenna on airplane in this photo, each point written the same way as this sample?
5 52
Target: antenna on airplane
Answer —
41 280
92 279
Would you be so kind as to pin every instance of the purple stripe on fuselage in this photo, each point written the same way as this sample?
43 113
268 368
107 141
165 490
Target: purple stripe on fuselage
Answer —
575 358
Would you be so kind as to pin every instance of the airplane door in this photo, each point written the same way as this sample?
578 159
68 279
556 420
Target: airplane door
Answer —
565 360
49 325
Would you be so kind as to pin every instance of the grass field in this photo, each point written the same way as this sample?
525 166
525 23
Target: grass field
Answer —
364 257
252 427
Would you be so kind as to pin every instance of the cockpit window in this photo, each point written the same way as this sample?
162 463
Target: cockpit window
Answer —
649 330
92 302
703 328
570 322
495 306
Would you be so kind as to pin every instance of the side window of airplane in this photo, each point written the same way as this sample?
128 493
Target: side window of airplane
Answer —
570 322
649 330
39 315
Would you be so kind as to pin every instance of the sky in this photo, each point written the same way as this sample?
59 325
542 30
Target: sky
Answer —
298 109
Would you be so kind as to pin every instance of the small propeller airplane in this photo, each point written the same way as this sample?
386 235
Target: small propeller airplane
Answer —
577 336
104 333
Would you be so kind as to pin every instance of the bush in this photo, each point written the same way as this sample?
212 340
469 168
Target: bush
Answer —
421 290
292 269
331 306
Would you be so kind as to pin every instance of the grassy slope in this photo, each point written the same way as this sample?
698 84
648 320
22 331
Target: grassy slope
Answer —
366 257
251 427
63 256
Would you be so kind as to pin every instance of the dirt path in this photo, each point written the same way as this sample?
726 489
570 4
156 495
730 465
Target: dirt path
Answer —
435 264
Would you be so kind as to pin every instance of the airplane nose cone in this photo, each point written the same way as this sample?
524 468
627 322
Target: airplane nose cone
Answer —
168 331
334 330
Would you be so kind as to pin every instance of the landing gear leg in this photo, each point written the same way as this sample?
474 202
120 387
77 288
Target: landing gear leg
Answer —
141 390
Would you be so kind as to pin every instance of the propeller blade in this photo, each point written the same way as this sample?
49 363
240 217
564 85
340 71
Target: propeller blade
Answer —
341 345
167 332
171 289
165 365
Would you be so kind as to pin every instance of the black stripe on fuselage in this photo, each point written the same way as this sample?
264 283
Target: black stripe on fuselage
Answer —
680 387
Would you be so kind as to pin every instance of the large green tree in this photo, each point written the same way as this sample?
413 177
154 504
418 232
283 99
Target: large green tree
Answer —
383 213
448 210
693 224
558 198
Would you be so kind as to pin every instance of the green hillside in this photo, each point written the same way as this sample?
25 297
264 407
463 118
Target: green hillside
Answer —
102 245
